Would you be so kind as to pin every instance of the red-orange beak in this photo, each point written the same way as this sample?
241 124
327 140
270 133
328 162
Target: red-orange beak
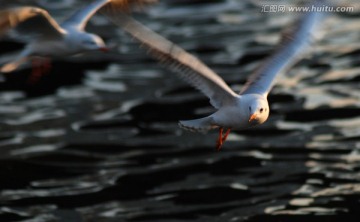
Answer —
252 117
104 49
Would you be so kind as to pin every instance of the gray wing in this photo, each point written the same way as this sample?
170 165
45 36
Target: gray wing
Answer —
294 40
187 66
30 22
80 18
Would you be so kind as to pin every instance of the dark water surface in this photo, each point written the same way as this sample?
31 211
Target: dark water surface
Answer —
97 138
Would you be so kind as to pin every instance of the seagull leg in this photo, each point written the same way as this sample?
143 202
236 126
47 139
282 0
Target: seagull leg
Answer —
36 70
226 135
221 139
46 65
40 66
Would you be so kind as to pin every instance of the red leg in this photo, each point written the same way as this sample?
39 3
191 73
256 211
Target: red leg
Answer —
40 66
46 65
36 70
226 135
219 141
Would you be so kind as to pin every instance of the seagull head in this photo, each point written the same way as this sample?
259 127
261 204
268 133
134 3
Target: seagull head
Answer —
258 111
90 42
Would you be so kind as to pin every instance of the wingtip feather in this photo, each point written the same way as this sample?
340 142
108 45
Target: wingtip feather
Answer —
11 17
12 66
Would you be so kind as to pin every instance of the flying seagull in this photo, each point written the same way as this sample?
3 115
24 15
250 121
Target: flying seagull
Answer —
234 111
48 39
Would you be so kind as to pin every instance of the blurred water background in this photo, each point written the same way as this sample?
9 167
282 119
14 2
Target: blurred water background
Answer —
97 139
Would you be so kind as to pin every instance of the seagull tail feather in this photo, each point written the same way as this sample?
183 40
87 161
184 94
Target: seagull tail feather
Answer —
198 125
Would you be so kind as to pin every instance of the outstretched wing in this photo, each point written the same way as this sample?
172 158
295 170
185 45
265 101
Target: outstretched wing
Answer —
81 17
30 22
187 66
294 40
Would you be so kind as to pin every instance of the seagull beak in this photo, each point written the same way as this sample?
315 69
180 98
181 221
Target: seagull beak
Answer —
104 49
252 117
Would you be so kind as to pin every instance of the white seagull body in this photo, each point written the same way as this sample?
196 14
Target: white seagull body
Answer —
46 38
234 111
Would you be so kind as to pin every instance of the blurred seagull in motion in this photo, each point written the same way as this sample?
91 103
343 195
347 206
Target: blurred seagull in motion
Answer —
47 39
234 111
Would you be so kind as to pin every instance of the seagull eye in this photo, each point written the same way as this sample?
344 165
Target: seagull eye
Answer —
261 110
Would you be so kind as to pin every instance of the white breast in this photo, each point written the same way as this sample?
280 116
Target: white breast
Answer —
231 117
